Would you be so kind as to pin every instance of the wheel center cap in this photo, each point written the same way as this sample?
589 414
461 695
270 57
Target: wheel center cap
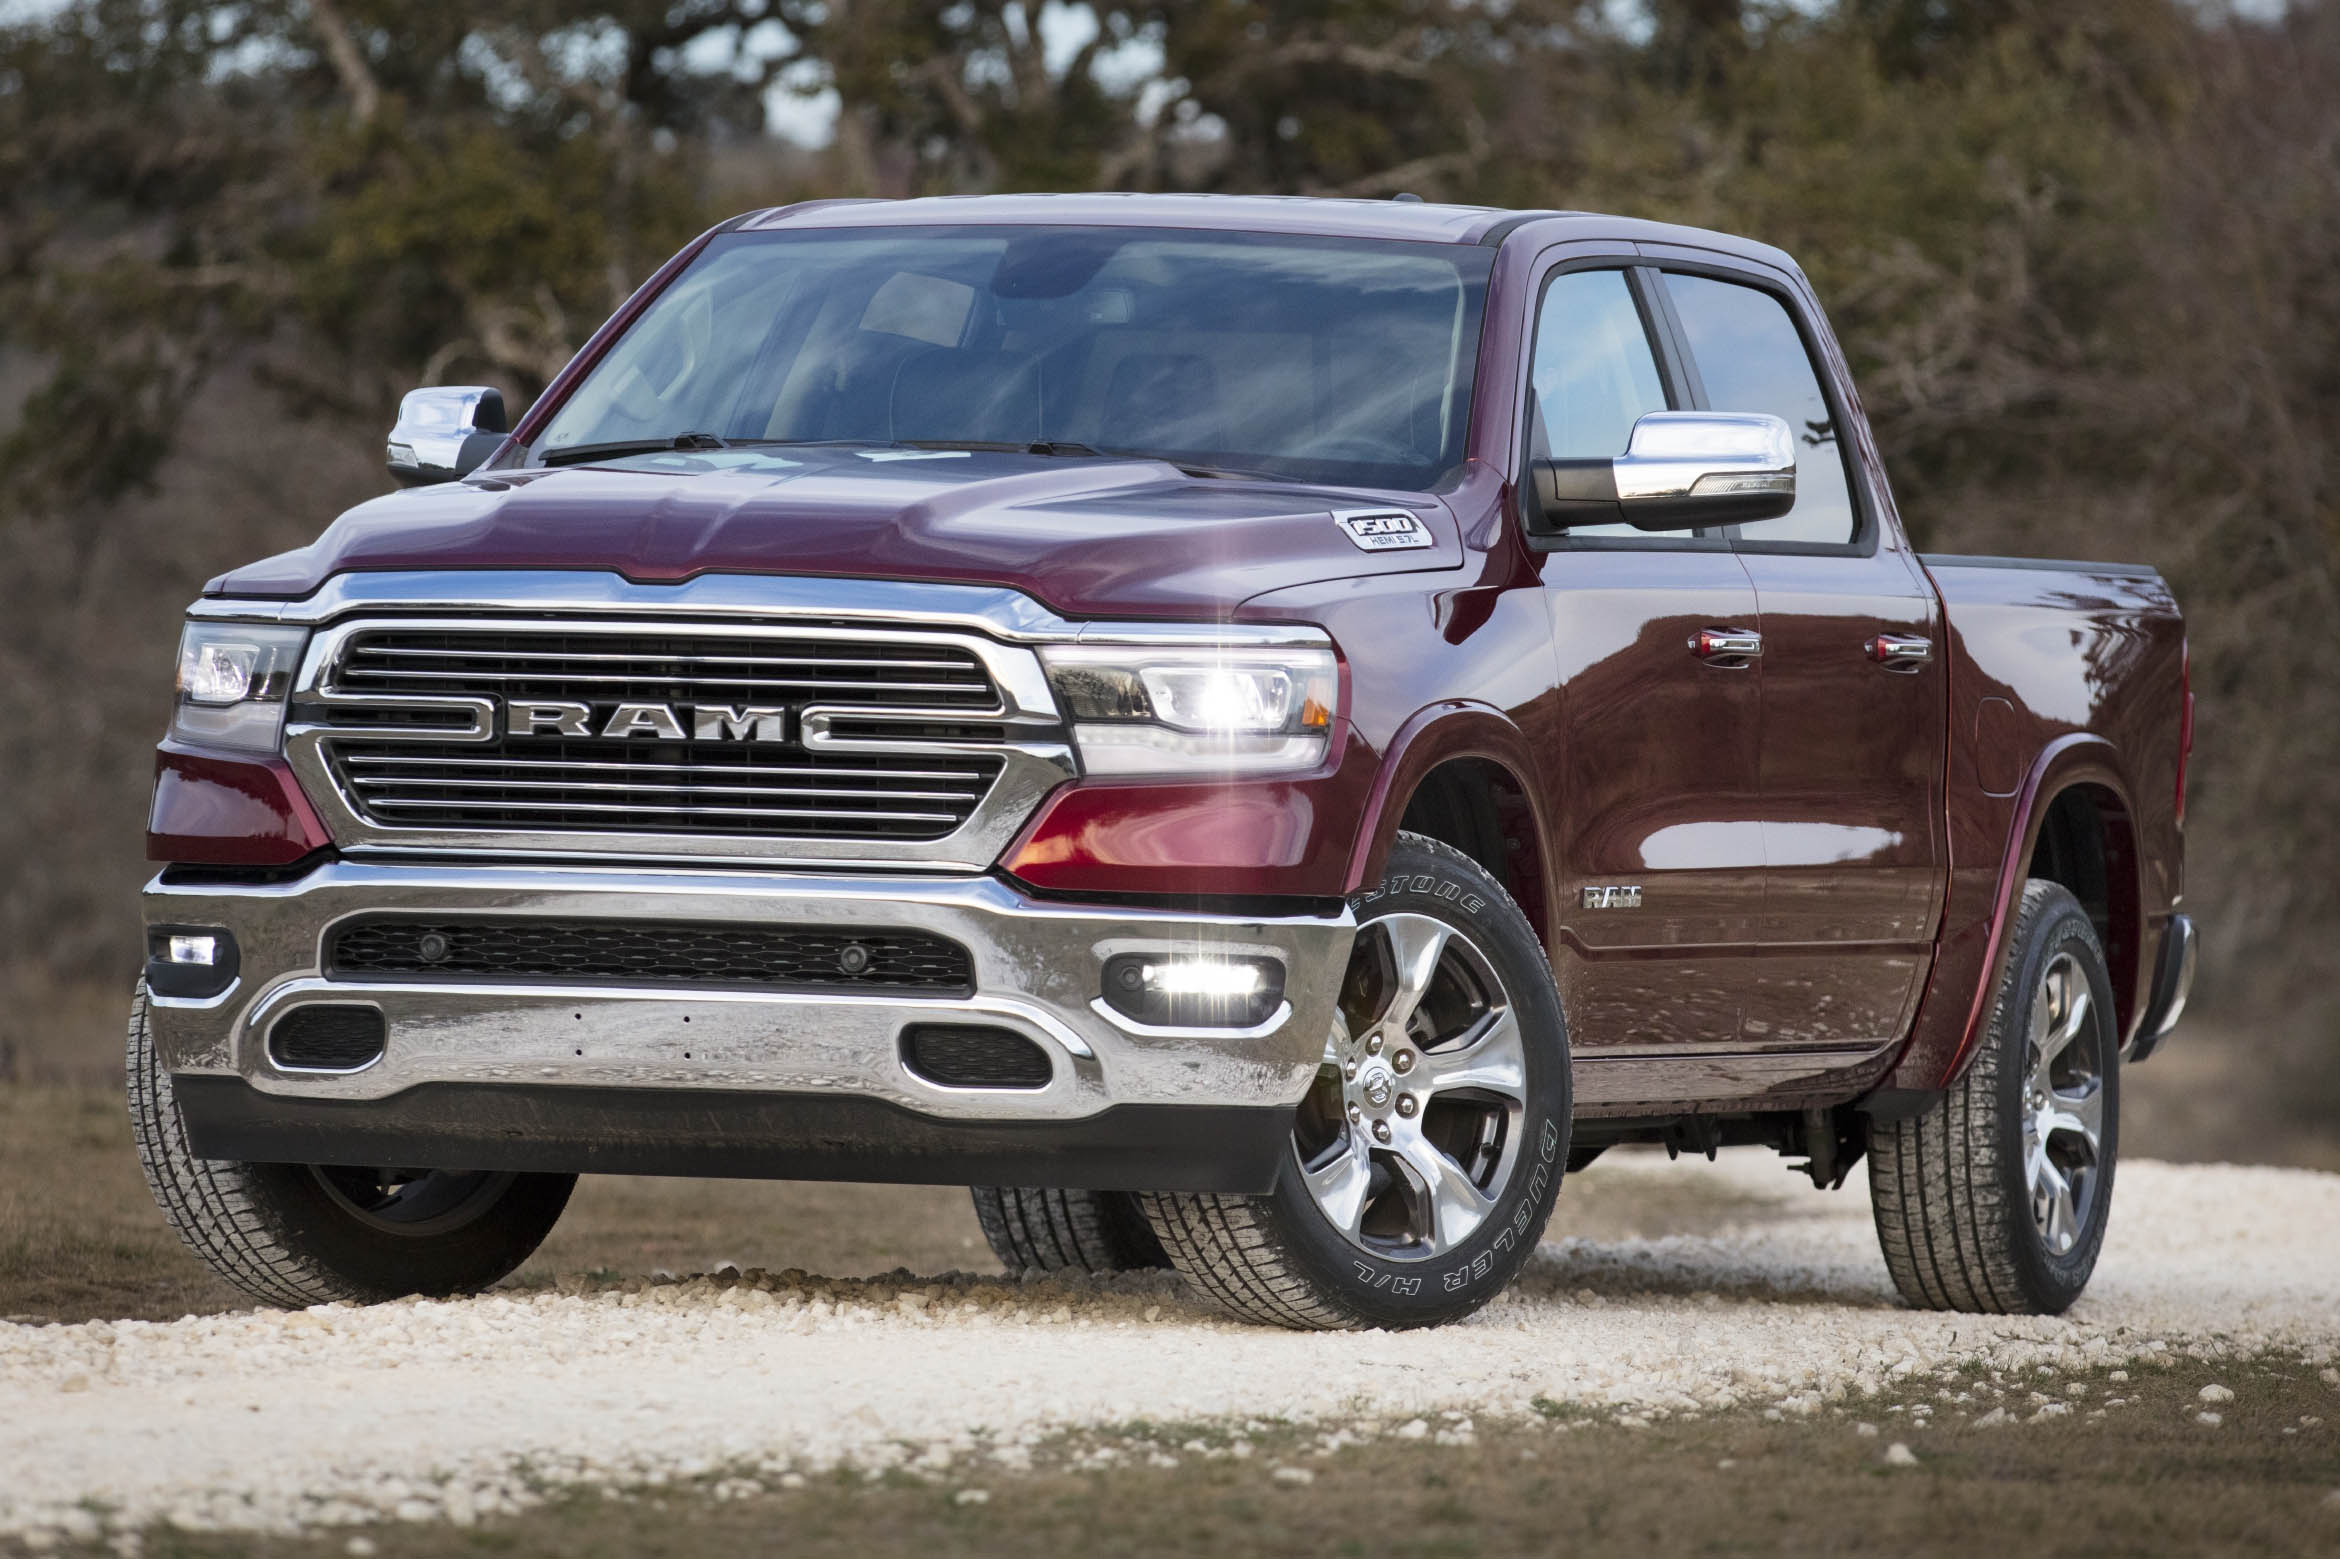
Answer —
1377 1086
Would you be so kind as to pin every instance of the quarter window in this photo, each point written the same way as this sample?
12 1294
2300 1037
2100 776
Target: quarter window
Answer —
1751 358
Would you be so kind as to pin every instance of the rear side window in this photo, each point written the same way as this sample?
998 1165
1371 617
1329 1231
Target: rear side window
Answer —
1593 373
1751 358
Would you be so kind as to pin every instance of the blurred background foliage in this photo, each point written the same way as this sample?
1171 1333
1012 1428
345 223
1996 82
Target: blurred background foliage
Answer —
2082 253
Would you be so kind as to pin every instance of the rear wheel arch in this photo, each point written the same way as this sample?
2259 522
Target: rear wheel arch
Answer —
2084 838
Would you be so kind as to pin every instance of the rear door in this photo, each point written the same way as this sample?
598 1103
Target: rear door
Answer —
1653 772
1853 687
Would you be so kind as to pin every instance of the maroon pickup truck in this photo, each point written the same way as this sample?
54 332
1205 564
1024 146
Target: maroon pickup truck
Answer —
1257 734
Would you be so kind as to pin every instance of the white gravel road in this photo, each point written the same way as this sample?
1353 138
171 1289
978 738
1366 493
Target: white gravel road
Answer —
448 1411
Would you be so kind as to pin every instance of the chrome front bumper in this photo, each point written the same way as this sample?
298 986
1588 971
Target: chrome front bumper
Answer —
1037 970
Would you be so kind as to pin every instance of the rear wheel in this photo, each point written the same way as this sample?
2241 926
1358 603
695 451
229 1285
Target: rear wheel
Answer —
1996 1200
1044 1230
1426 1158
303 1234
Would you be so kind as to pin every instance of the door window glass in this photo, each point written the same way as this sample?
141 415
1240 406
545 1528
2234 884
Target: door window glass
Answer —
1594 374
1751 359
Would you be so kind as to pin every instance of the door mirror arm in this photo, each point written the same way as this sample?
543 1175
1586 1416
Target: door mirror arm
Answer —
1682 470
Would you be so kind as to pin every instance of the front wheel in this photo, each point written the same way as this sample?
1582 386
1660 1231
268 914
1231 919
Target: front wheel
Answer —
1996 1200
302 1234
1426 1158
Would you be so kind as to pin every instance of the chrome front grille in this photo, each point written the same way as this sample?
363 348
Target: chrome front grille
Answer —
776 742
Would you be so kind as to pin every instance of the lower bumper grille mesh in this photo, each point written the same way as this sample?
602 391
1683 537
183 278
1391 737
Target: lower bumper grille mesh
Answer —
609 952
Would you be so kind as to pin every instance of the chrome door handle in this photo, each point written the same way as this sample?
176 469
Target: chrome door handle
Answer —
1726 646
1900 651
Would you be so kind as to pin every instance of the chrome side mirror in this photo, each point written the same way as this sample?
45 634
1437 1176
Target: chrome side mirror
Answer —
445 432
1682 470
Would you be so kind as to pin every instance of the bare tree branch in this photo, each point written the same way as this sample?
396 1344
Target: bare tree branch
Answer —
341 51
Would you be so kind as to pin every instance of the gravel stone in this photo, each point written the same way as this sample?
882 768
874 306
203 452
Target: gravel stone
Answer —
342 1416
2215 1394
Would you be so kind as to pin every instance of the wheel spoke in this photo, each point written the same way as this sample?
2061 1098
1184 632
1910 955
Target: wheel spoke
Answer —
1492 1059
2061 1225
1415 945
2078 1114
1340 1185
2061 1035
1455 1206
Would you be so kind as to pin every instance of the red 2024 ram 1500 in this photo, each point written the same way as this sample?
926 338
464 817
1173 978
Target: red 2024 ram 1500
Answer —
1258 734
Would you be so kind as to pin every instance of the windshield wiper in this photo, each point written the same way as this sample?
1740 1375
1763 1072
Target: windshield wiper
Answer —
570 454
1067 448
986 446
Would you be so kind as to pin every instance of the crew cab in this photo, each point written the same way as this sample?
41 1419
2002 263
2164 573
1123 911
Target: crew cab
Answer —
1256 734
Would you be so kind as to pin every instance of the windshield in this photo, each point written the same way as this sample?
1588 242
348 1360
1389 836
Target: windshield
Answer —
1320 360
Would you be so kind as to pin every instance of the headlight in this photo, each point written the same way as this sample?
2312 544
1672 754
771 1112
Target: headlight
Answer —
1195 711
233 678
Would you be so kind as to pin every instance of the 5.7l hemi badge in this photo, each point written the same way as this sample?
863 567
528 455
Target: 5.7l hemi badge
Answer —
1385 530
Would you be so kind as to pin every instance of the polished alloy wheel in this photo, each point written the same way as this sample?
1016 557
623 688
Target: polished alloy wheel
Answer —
2063 1104
412 1201
1410 1135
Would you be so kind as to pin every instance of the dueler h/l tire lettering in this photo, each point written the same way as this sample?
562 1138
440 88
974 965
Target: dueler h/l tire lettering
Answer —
1996 1200
296 1235
1428 1155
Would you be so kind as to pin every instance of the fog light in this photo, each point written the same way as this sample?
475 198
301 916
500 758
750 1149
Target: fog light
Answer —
1171 991
189 961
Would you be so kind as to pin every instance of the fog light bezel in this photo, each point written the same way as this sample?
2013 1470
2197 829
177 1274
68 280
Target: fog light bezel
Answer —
1131 987
166 976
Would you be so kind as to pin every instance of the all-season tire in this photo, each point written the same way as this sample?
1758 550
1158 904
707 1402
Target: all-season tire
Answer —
294 1235
1963 1193
1468 1053
1033 1229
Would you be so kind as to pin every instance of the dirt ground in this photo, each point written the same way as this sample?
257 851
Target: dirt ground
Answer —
81 1240
2146 1477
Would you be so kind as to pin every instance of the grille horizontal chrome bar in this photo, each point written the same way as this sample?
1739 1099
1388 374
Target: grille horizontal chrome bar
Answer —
695 810
771 770
473 679
654 663
387 782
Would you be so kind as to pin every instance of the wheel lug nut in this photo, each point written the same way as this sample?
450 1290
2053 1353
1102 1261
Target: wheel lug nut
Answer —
1373 1045
1381 1131
1403 1061
1356 1114
1406 1105
1350 1071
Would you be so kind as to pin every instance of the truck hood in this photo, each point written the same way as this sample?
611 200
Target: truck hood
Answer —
1088 538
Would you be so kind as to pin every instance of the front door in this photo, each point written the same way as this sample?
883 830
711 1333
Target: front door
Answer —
1853 695
1655 771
